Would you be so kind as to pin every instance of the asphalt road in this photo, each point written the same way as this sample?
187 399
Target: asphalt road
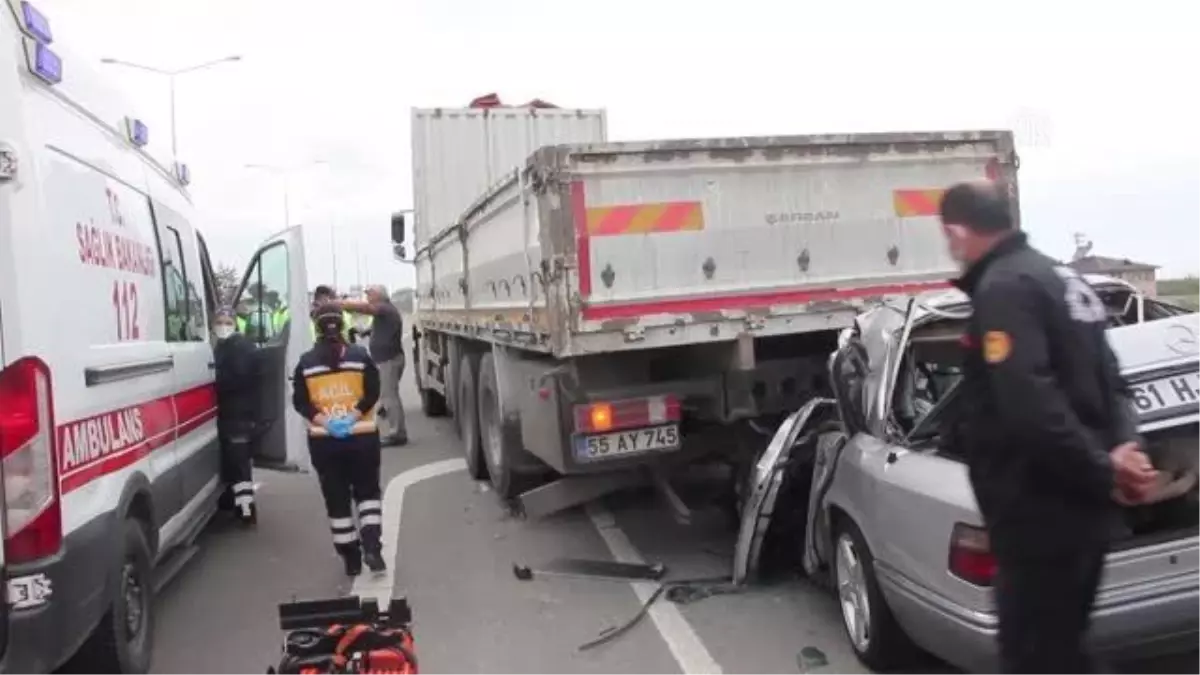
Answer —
455 548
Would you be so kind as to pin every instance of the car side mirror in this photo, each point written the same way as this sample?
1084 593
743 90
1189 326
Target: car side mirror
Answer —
397 228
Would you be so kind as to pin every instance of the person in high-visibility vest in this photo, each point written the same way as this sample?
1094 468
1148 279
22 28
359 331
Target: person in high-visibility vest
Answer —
335 388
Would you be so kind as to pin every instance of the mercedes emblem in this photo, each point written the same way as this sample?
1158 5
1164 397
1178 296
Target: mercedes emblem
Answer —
1182 340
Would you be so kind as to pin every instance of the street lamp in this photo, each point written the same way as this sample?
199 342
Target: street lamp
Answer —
171 75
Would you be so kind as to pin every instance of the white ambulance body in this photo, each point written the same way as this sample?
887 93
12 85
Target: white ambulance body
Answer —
108 432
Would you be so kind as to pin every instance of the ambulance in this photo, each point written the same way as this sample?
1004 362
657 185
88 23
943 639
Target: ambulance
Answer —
108 437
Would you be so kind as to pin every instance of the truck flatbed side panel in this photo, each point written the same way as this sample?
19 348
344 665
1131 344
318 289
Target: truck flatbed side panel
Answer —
460 153
676 232
615 246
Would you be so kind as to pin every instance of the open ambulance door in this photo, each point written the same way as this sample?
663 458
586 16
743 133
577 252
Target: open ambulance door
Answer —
273 307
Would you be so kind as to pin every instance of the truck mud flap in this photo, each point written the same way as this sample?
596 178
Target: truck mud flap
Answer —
763 489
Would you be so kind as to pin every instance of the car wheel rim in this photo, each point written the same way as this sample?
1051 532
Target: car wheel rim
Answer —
852 593
134 596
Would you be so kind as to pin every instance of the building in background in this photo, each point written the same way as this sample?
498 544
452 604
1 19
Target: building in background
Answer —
1143 276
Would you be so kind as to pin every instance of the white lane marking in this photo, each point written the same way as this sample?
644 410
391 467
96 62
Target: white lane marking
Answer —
689 652
381 586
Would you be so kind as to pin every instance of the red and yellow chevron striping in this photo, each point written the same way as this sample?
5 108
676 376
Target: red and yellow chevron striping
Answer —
911 203
610 221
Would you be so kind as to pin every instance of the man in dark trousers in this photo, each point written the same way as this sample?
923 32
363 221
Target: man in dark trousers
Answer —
387 349
236 361
1047 427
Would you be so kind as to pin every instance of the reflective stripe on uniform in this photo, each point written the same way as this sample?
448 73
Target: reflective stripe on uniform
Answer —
353 365
243 493
343 530
370 512
315 370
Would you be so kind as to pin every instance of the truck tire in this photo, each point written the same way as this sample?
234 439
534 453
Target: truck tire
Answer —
498 447
467 418
124 639
433 404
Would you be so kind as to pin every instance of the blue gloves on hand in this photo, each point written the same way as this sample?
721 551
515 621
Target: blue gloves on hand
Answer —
339 427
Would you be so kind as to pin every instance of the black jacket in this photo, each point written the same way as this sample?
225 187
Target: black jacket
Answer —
332 383
1043 402
238 379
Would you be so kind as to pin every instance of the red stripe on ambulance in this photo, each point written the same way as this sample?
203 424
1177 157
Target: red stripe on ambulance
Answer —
102 444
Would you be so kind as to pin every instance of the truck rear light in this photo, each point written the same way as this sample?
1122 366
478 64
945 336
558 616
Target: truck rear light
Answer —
28 464
971 556
630 413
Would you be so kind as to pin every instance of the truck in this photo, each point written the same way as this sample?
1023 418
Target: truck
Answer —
597 315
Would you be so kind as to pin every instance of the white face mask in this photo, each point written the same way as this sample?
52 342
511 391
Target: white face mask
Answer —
223 331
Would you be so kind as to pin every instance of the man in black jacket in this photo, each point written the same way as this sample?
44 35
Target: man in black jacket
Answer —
1048 430
236 361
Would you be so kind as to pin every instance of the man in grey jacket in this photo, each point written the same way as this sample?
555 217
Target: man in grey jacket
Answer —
387 350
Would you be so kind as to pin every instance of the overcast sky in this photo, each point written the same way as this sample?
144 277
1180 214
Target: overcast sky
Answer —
1103 101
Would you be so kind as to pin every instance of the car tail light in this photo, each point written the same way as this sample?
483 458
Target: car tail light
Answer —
32 512
971 556
630 413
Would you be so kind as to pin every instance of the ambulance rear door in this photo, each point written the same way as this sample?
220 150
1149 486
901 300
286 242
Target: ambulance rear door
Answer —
275 291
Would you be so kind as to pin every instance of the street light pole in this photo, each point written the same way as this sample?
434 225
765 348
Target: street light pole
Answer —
171 75
284 173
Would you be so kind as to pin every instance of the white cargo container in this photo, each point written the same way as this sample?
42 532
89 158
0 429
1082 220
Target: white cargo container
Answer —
458 153
612 305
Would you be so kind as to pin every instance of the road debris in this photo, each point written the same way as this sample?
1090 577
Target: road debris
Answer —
592 569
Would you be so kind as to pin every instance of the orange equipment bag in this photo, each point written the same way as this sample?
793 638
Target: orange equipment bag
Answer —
347 636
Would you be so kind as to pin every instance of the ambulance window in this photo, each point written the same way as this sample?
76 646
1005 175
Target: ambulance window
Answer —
210 290
263 301
175 287
274 261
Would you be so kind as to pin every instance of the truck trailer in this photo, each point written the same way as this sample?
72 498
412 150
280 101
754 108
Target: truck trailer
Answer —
599 314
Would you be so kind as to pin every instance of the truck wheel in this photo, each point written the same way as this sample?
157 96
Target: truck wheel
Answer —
497 447
878 641
433 404
467 418
124 639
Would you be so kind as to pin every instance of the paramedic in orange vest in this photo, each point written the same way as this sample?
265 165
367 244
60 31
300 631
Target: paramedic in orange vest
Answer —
336 386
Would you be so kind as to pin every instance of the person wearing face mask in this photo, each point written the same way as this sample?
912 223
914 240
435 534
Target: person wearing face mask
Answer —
335 388
1047 427
236 361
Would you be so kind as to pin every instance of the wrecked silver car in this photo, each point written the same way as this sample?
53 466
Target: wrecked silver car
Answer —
888 518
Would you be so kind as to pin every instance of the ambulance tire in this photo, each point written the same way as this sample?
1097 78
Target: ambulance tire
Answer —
108 650
498 448
467 416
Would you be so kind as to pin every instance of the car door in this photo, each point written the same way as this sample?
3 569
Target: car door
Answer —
918 494
276 280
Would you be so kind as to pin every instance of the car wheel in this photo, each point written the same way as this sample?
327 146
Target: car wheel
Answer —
498 448
467 418
124 639
876 638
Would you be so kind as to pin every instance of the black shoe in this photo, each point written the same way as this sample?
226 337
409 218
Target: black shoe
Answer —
353 565
374 561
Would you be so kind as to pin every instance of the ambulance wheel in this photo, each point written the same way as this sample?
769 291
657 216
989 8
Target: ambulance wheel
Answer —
498 447
467 417
124 639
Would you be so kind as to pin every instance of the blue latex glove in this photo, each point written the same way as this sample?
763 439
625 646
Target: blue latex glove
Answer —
340 427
